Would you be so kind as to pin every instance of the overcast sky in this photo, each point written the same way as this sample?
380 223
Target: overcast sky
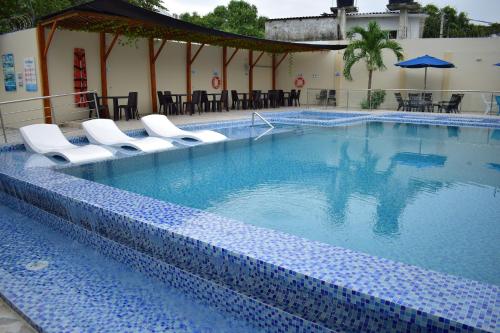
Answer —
487 10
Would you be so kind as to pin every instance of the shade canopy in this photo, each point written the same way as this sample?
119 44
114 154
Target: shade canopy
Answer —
121 17
425 61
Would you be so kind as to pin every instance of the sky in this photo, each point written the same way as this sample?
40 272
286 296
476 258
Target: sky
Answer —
486 10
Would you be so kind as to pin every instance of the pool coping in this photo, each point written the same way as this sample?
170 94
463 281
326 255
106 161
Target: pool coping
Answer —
405 293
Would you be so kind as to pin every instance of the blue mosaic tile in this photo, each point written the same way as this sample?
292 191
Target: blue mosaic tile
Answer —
335 287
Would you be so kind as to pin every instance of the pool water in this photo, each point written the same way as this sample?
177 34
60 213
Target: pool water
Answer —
64 286
419 194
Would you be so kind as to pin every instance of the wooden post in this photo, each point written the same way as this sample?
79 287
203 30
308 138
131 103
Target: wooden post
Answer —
274 72
250 72
102 62
44 73
152 73
188 70
224 68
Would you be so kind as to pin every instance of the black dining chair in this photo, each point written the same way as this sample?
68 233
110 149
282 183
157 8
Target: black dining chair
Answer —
204 101
130 109
402 104
161 101
322 96
256 99
94 105
296 98
170 106
195 103
332 97
272 96
236 102
413 102
287 100
222 103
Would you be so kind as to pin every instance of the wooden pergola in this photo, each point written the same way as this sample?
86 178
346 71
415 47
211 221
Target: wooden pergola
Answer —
118 17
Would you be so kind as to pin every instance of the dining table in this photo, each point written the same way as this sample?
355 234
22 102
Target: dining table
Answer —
214 100
178 101
115 99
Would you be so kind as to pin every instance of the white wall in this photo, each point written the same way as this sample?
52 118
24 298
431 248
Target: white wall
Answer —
389 22
22 44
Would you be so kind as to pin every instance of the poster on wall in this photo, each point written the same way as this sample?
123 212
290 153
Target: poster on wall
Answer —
20 79
9 72
30 74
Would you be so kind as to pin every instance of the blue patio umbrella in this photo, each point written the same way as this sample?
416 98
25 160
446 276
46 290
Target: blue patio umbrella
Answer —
497 64
425 61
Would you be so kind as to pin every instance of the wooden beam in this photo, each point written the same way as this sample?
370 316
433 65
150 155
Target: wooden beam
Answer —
250 73
163 41
51 35
188 70
232 56
197 52
152 73
281 60
113 42
224 68
102 62
258 58
44 73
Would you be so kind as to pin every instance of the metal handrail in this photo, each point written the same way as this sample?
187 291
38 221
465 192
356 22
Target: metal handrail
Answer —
2 119
262 118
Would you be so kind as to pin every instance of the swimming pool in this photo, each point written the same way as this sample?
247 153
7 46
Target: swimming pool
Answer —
420 194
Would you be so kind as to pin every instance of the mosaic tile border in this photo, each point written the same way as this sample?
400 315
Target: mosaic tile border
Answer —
336 287
250 310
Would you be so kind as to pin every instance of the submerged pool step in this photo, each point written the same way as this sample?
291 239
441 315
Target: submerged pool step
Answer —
62 285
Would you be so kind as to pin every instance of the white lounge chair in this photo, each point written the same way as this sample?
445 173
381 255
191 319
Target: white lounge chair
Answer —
47 139
160 126
105 132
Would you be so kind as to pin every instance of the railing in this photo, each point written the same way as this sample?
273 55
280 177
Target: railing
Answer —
262 118
471 101
17 113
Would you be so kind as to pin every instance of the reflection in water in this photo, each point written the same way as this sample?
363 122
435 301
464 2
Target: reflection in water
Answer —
400 191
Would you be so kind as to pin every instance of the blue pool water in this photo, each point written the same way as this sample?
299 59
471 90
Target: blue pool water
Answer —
64 286
419 194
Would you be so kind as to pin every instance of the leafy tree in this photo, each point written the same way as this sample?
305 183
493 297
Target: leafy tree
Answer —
367 45
455 24
237 17
23 14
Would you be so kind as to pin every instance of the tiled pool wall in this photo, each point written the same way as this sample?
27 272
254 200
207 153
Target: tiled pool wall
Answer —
157 233
252 311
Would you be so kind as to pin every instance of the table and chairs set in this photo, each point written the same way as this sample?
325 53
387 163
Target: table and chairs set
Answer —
423 102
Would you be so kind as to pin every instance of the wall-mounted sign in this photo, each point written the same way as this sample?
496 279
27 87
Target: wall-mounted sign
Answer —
9 72
30 74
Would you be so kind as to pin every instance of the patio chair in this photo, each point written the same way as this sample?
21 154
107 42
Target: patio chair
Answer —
48 140
451 106
272 96
194 103
160 126
414 102
105 132
488 102
426 104
161 102
402 104
102 111
287 100
296 98
332 97
236 102
322 96
256 99
223 102
130 108
170 106
281 98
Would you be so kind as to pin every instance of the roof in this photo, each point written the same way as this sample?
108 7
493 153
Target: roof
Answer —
118 16
352 14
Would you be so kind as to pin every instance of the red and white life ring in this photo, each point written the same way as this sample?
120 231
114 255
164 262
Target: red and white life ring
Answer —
300 82
216 82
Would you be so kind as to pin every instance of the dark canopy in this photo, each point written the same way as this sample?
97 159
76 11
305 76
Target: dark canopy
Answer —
117 16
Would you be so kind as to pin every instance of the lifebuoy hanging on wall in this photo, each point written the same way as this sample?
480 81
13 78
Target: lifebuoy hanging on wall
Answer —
216 82
300 82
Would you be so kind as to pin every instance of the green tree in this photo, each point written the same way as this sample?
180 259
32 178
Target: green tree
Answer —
23 14
367 45
456 24
237 17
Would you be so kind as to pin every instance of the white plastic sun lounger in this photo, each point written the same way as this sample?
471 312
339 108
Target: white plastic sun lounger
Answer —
105 132
160 126
47 139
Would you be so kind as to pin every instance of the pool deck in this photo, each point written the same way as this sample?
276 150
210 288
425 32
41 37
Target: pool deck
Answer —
341 289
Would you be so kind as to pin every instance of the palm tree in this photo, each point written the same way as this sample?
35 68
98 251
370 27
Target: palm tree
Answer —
369 48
